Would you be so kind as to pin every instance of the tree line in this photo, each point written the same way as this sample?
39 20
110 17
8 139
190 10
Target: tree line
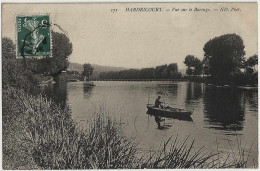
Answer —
159 72
224 62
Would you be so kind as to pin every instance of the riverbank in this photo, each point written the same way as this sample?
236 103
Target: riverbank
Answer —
40 134
16 153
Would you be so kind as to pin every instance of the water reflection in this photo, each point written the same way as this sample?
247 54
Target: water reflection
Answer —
220 109
252 97
87 90
224 109
194 91
162 123
169 90
217 112
57 92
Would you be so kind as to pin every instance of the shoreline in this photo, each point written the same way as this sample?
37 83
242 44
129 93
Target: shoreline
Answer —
247 87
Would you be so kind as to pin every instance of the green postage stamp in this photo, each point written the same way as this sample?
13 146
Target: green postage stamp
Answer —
33 35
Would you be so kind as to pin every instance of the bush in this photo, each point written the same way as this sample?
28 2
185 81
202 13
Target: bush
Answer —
57 143
15 75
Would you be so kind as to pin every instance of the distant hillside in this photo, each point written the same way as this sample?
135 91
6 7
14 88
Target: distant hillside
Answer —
98 68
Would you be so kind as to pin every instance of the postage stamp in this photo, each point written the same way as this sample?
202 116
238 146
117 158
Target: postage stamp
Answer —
33 35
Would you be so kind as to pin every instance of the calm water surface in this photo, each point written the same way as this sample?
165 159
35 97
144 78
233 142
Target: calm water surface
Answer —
221 117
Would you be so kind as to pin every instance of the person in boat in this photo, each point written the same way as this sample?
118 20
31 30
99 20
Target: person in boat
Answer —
158 103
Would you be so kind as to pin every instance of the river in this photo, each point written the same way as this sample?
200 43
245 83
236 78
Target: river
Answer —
221 116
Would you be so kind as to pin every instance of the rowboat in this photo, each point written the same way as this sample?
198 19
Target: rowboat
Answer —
168 112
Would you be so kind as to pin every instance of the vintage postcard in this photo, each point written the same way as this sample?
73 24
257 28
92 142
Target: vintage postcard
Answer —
129 85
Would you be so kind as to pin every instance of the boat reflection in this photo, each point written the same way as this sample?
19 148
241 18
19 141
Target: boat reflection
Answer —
178 117
87 90
163 126
160 119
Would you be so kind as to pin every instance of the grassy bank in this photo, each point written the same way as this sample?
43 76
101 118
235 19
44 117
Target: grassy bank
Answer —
46 135
39 134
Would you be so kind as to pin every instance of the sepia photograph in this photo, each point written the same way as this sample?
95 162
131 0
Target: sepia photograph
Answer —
149 85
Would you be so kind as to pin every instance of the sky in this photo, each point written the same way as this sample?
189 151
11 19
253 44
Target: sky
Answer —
141 39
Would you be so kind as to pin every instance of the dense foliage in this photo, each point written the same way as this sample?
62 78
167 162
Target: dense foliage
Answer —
61 49
28 73
13 72
194 65
8 48
87 70
224 62
224 56
159 72
251 62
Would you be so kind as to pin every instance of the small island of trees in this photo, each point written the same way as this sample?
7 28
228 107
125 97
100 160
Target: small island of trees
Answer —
159 72
87 71
224 62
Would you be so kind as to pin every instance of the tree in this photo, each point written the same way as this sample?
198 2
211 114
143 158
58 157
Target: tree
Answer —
189 60
62 48
161 72
198 67
195 66
252 61
147 73
249 71
13 72
8 48
172 71
189 71
250 75
87 70
206 68
225 55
